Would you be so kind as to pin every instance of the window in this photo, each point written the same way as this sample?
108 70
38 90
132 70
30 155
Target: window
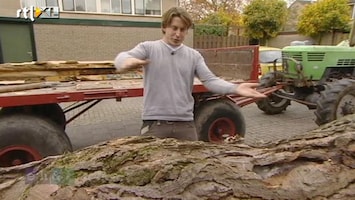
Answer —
111 6
139 7
68 5
126 7
268 56
105 6
153 7
91 6
52 3
80 5
148 7
131 7
115 6
39 3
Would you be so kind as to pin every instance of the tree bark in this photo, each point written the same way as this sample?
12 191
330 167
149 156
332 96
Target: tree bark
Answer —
316 165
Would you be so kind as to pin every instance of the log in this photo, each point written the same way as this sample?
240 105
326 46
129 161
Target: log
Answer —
319 164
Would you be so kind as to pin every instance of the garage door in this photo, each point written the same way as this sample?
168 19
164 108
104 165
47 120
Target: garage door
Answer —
16 42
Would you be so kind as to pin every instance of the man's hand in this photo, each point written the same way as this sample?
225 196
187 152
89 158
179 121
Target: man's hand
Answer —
249 90
131 63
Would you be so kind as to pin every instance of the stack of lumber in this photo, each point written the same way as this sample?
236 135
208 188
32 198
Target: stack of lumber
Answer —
29 72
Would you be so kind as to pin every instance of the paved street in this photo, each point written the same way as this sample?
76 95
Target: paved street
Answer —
111 119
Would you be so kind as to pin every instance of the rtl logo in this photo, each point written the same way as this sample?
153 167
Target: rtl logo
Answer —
38 12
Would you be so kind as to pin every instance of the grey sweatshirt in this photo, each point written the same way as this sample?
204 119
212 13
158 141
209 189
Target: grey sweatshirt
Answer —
169 78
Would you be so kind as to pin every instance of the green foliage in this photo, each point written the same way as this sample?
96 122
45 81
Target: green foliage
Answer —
324 16
206 29
218 18
214 17
200 9
264 19
216 23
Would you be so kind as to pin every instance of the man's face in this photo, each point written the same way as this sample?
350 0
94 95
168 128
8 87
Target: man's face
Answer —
175 32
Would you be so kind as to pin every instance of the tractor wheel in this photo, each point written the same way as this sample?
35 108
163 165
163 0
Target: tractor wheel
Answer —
218 119
336 101
26 138
272 104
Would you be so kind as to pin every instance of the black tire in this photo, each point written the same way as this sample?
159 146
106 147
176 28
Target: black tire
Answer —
272 104
268 79
336 101
51 111
215 116
25 138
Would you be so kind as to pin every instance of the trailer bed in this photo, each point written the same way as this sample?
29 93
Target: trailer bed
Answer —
71 81
59 92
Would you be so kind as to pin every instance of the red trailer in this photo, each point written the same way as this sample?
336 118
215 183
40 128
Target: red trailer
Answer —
32 122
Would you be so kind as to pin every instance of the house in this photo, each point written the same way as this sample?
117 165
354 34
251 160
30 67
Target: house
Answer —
289 34
77 29
296 8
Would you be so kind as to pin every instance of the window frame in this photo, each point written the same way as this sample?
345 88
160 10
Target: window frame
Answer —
131 8
99 8
24 3
145 8
135 7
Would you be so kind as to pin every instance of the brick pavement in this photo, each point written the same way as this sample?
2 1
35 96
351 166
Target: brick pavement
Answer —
110 119
262 128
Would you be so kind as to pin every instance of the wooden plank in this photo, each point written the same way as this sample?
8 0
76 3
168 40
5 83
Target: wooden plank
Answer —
22 87
94 85
59 71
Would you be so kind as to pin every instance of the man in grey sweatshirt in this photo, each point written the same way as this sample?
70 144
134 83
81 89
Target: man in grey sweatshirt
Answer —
169 71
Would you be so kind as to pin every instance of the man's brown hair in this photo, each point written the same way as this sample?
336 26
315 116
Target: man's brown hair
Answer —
176 12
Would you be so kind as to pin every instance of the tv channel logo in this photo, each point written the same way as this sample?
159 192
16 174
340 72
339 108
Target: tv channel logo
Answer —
32 12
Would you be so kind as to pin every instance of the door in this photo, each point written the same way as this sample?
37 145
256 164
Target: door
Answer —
17 42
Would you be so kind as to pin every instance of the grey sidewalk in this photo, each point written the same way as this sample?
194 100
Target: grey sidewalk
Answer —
110 119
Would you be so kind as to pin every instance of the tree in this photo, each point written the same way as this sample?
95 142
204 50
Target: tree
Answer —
324 16
217 23
200 9
317 165
214 17
264 19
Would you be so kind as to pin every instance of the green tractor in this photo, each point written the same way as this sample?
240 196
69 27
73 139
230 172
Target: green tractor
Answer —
320 77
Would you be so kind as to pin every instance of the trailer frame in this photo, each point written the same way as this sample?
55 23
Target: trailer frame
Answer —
40 102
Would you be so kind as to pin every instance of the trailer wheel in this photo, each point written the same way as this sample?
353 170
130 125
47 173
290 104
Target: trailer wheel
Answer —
26 138
51 111
336 101
272 104
218 119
